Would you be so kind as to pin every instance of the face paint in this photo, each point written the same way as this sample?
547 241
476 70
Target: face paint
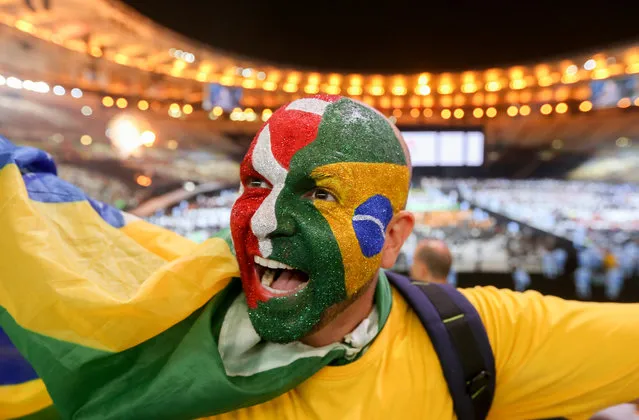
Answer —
309 225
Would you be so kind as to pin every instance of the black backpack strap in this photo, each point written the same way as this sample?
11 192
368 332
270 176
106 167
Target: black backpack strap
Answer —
460 340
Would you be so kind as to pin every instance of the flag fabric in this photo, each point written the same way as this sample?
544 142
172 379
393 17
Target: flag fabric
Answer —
119 318
21 391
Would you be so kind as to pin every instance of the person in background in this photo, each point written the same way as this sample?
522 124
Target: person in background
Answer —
614 276
521 278
583 283
586 263
610 261
629 260
579 236
549 264
561 256
431 262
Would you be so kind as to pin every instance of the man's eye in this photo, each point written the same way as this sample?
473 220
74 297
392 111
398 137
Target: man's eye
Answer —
321 194
257 183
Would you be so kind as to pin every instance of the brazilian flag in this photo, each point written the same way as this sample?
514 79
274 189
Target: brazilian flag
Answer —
22 393
119 318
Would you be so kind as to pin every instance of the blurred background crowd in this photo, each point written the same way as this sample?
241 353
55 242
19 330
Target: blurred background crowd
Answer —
524 139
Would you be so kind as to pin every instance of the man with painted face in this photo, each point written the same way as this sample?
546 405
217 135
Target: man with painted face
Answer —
156 328
309 227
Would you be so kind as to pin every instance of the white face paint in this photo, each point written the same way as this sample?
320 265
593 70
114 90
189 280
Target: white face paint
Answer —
264 221
312 105
361 217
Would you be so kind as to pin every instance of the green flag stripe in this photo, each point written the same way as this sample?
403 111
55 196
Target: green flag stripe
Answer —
177 374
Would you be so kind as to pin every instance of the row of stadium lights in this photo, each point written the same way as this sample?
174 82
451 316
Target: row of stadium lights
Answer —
248 114
491 112
494 82
511 111
598 68
42 87
148 137
38 87
175 110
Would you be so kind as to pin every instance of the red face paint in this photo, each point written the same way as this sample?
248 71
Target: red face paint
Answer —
290 131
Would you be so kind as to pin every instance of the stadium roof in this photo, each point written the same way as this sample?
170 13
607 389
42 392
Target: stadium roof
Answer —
367 38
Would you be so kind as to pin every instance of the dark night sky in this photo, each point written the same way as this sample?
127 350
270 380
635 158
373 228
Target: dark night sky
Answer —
366 38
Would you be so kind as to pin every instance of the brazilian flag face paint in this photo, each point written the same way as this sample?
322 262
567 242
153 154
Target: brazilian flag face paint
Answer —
320 183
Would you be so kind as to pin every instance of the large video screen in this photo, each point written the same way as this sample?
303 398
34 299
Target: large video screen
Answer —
445 148
226 97
607 93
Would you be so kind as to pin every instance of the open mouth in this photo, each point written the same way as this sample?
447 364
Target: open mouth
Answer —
279 279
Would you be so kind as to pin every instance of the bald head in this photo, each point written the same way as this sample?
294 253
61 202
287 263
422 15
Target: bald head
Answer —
432 261
398 134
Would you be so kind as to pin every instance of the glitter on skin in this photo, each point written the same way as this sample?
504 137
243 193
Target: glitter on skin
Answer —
264 221
350 152
370 221
314 105
357 183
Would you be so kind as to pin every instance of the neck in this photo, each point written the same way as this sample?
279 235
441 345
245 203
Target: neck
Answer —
346 319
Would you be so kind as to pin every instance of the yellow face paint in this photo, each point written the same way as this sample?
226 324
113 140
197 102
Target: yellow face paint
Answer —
352 184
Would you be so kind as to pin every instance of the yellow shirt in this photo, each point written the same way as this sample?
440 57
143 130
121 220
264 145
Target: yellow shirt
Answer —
553 358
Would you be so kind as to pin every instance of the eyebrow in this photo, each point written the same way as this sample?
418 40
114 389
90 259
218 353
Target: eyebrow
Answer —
324 172
320 175
329 180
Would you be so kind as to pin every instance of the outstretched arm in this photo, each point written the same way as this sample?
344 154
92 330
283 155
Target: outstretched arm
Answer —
556 357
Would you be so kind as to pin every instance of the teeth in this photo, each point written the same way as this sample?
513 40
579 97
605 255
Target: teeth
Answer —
268 277
282 292
275 291
271 264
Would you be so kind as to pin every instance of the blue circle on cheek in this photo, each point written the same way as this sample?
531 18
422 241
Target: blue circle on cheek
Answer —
370 221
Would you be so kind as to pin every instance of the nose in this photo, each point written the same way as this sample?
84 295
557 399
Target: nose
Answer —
268 223
286 226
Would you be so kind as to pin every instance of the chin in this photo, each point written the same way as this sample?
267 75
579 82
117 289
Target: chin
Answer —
284 320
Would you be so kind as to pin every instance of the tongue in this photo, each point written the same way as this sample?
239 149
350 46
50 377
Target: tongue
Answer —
289 280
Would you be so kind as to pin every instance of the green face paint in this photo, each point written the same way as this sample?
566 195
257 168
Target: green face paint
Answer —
309 226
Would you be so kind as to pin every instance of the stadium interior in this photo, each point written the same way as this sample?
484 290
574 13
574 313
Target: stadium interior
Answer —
529 165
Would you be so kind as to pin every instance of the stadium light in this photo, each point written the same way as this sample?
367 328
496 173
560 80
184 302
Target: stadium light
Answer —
128 133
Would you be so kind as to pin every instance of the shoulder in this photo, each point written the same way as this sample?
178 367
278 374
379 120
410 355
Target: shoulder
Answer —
489 300
505 312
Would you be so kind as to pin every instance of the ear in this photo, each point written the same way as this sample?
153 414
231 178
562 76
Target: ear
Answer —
398 230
